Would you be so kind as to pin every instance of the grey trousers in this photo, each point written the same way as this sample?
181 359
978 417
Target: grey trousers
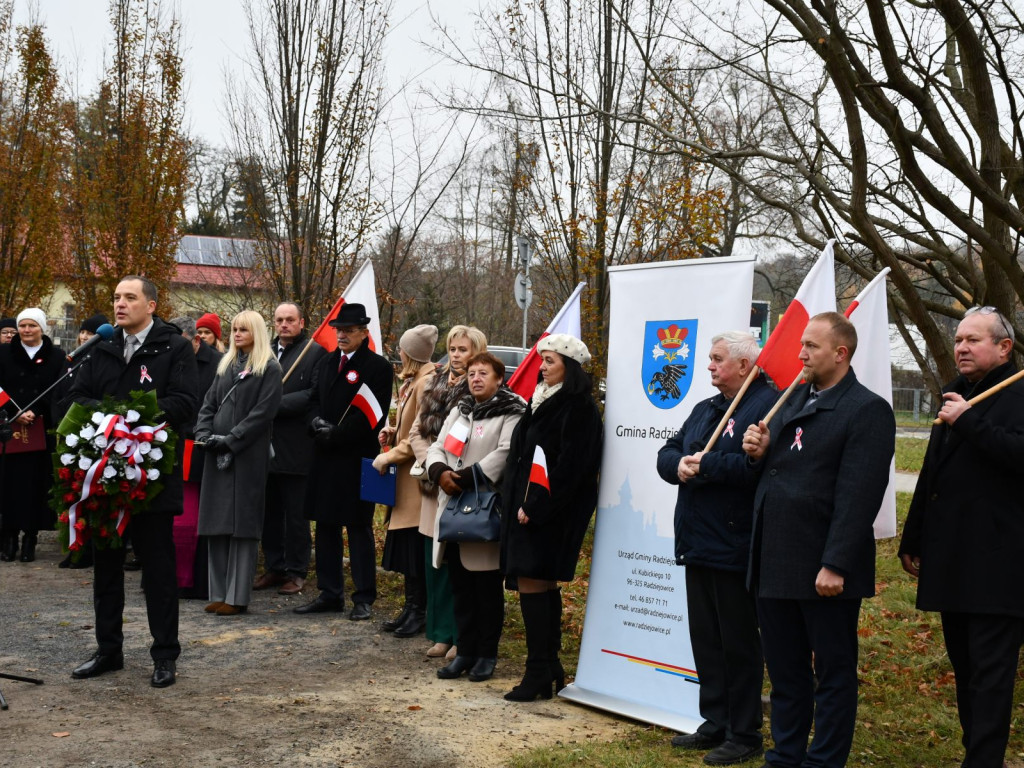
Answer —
232 567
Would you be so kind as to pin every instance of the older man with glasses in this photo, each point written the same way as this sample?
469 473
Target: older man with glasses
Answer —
964 535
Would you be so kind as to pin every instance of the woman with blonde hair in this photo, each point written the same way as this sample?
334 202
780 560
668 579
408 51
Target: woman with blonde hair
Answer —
445 389
403 547
235 424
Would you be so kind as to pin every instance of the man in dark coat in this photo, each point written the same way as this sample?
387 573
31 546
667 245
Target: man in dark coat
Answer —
343 435
964 535
286 541
145 354
823 470
713 520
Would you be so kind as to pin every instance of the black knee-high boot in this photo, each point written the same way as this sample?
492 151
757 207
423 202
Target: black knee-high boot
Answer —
537 680
555 629
9 547
416 603
28 547
392 624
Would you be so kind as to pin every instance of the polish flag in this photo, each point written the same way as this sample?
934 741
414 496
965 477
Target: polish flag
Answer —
455 442
870 316
780 357
362 289
524 380
367 403
4 398
539 470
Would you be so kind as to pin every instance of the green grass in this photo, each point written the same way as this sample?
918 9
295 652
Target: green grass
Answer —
910 453
907 714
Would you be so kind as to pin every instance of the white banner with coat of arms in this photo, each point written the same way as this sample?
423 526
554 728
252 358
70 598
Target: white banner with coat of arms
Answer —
635 658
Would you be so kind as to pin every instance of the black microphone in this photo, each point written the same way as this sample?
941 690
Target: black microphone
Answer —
104 333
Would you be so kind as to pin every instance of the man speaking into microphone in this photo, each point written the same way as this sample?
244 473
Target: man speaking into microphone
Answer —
146 354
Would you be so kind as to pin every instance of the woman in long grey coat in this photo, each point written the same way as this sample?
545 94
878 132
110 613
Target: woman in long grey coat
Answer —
235 423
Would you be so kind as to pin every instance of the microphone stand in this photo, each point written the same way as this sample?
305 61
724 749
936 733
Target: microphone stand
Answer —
6 433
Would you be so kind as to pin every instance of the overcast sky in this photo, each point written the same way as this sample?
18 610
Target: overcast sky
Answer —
215 41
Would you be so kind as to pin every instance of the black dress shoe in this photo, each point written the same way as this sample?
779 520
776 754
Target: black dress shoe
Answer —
731 753
98 664
360 612
321 605
696 741
456 667
482 670
163 673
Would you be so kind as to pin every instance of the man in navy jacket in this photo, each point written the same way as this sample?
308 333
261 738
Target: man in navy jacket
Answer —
824 468
714 512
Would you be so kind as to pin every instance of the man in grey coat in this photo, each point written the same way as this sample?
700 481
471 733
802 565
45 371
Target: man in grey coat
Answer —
824 468
286 541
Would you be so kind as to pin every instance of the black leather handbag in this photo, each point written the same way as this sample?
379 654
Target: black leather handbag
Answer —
473 515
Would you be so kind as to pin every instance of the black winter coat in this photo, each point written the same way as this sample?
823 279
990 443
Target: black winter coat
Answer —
27 477
293 447
170 371
332 493
567 427
715 510
817 499
966 520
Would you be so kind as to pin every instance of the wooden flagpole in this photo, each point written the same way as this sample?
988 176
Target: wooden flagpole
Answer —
782 400
732 408
989 392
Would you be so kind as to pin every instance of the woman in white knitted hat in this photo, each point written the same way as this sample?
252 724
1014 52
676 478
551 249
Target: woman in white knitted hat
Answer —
28 366
403 547
548 497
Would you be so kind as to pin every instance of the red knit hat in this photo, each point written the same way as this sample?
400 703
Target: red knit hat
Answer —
211 322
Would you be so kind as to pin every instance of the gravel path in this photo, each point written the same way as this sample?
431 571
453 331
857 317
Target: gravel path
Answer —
266 688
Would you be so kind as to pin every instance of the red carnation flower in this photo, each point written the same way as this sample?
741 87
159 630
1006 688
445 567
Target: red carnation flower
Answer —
80 525
76 487
79 475
70 498
124 486
64 517
64 474
104 533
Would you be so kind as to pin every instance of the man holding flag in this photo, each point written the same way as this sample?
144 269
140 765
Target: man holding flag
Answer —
713 521
824 468
964 535
353 394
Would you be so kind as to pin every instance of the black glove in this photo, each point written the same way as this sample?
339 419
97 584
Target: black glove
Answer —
224 460
217 444
321 429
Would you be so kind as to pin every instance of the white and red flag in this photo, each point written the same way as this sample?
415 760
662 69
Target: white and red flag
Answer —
870 316
780 357
362 289
4 398
455 441
524 380
539 469
367 403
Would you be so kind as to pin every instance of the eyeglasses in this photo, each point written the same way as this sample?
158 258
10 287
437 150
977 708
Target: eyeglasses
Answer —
993 311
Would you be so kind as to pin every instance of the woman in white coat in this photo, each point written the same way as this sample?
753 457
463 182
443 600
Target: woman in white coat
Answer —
481 427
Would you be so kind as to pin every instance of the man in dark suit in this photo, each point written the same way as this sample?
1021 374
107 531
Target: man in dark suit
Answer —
286 541
343 434
964 535
148 354
713 522
823 473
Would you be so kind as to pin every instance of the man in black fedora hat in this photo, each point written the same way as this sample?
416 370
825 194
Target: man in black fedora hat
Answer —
344 432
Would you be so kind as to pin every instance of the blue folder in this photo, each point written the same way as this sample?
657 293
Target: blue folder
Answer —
375 487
